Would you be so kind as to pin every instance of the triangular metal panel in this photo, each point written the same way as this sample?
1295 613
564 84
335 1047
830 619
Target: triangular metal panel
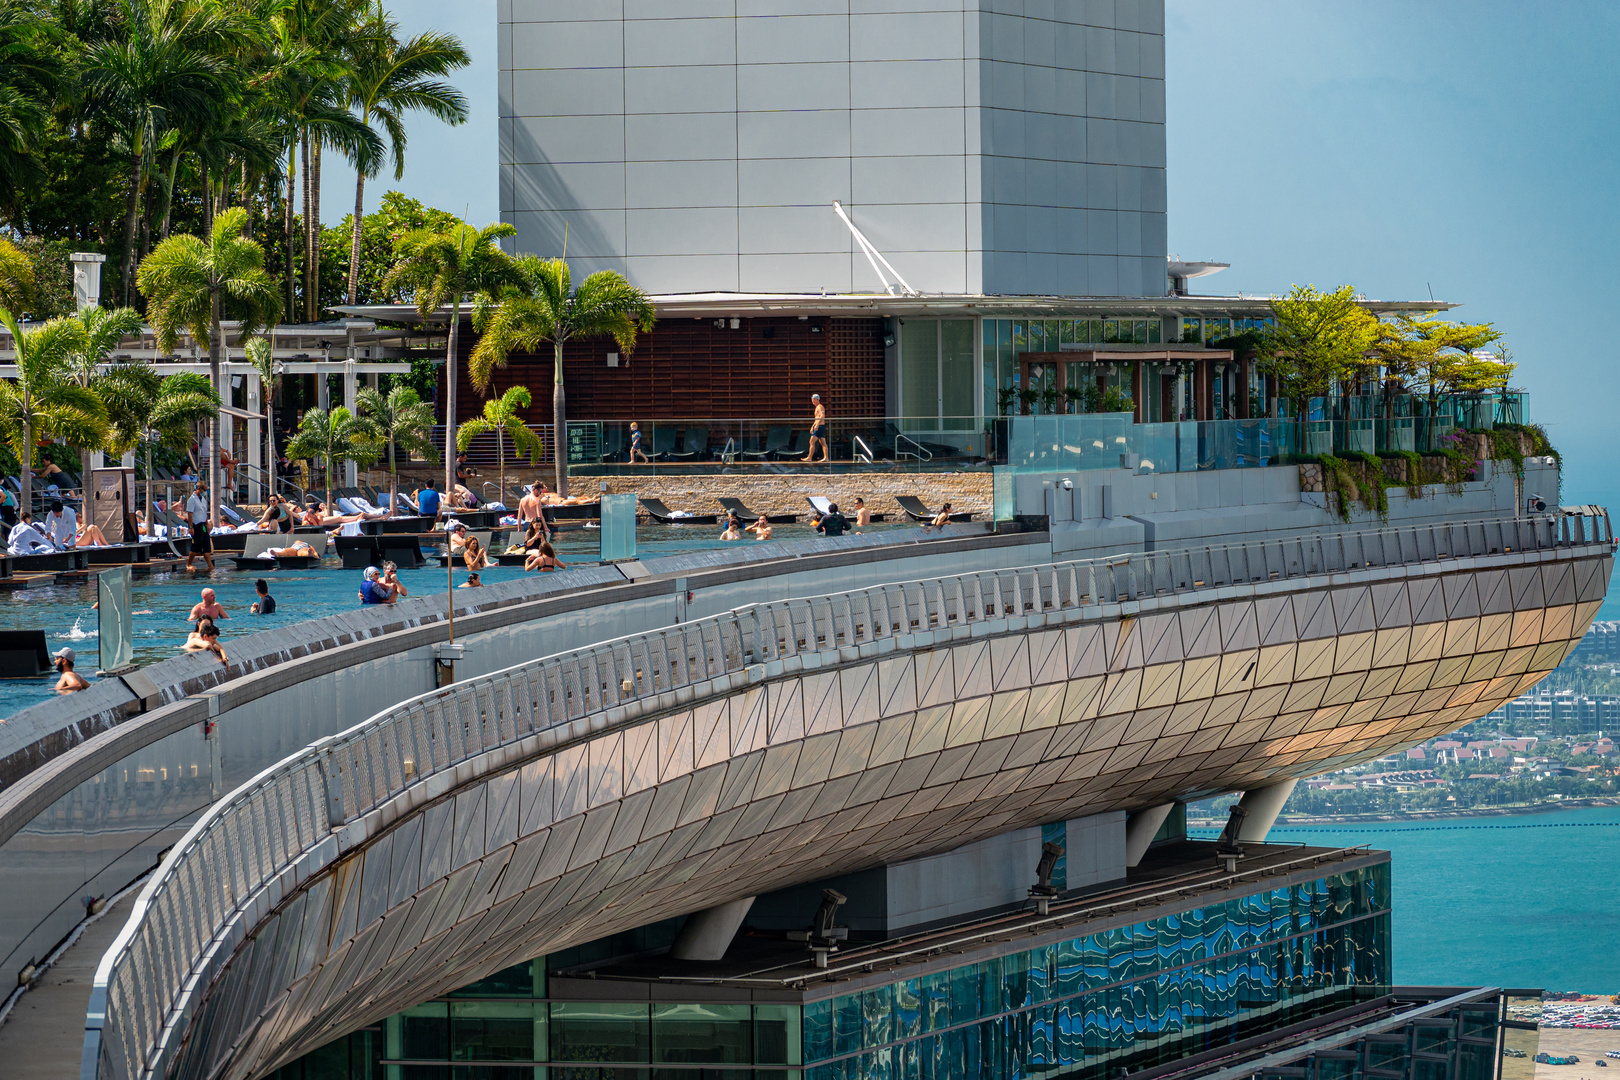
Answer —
1238 627
823 708
1428 600
711 733
859 690
1009 662
1161 638
607 772
1087 655
640 758
1045 706
786 705
1526 585
1201 630
935 683
897 685
1558 583
929 734
1390 607
854 750
972 669
1048 657
1495 595
749 719
1006 714
1352 610
675 750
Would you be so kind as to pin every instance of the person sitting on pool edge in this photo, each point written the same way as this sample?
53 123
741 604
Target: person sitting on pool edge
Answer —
71 681
265 604
206 639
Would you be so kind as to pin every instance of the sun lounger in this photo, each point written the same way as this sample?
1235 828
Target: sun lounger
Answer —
662 513
750 516
797 449
917 511
776 439
695 445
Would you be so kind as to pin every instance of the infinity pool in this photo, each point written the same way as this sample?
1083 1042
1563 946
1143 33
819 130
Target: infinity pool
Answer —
162 601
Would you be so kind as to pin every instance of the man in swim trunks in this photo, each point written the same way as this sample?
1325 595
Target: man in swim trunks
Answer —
818 432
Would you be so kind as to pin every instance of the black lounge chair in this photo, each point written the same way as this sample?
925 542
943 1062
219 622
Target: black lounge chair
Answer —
916 511
663 443
662 513
750 516
695 445
776 440
797 449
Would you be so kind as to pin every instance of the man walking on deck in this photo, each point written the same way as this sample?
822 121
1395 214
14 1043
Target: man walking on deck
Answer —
818 432
201 542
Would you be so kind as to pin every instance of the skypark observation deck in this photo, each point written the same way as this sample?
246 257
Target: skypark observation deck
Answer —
691 768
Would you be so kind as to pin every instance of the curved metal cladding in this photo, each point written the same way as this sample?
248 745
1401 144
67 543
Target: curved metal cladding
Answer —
568 798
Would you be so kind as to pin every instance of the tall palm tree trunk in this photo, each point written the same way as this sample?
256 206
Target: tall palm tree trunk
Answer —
131 203
25 498
500 463
559 423
315 229
309 243
287 233
151 534
354 243
393 480
450 397
207 199
216 346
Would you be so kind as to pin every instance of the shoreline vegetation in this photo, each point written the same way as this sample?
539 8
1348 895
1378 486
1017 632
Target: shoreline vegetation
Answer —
1216 825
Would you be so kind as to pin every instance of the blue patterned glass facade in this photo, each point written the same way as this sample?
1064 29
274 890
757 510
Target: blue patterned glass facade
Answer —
1128 997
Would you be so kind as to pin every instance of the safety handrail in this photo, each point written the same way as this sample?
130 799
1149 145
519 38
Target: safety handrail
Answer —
863 450
264 828
921 452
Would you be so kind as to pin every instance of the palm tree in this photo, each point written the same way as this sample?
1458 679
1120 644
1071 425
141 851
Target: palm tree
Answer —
400 420
144 406
331 437
44 402
30 70
16 277
166 63
388 78
440 267
501 417
103 330
190 283
547 307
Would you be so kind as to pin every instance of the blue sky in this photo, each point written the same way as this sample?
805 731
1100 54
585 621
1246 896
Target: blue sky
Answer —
1465 147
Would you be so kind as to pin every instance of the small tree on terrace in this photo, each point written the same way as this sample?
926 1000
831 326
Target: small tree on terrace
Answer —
447 267
331 437
1320 338
502 416
44 402
545 306
157 410
403 421
194 285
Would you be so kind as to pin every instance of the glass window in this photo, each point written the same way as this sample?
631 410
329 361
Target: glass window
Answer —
990 371
818 1030
1066 331
846 1024
1155 331
1037 336
589 1031
877 1015
1006 363
776 1034
706 1034
919 368
935 999
496 1030
1191 330
956 374
908 1009
965 993
1139 331
420 1032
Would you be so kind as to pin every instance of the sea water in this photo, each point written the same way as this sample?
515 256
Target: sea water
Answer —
1526 900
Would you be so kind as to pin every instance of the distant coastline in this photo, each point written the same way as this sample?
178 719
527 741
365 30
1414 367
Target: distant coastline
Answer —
1423 815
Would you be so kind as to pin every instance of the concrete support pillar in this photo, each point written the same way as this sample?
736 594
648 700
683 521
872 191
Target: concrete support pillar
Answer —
351 398
1140 829
255 453
1263 805
707 934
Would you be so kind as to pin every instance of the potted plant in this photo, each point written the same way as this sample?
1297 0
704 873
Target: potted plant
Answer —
1074 399
1027 396
1049 399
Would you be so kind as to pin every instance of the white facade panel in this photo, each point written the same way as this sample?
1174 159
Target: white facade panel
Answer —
1003 146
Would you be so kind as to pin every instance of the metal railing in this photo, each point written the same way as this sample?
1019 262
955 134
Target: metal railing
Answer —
174 943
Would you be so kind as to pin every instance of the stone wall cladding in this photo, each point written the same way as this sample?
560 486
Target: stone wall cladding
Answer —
773 493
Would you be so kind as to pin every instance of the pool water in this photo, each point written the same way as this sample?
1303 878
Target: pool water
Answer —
161 601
